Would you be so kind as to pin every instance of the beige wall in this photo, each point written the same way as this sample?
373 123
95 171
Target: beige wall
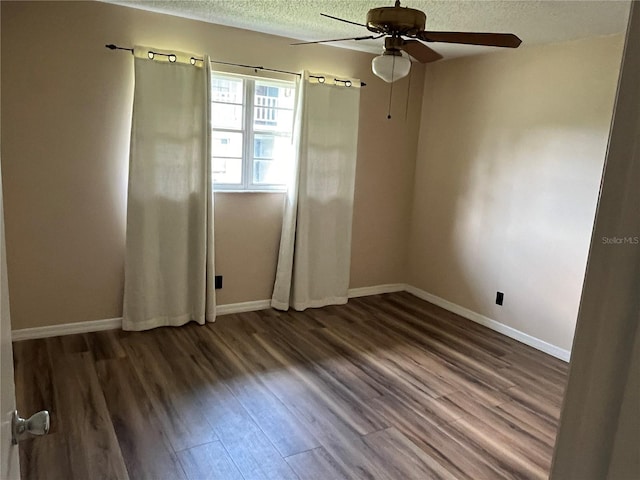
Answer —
509 162
65 130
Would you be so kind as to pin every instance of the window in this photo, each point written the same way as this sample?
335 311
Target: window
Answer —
251 141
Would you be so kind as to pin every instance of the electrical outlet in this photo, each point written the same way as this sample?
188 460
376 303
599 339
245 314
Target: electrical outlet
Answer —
218 283
499 298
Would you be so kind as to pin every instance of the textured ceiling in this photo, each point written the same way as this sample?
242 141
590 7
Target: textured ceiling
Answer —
535 22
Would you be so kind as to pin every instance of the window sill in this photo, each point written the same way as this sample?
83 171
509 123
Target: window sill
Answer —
283 190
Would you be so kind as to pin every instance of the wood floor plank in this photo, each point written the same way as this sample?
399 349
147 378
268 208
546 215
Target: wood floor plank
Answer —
492 342
495 423
83 413
386 387
317 464
408 461
476 367
529 420
34 381
287 434
267 320
520 376
45 458
548 407
145 447
311 347
381 351
209 462
339 439
168 386
424 370
393 383
498 443
332 392
104 345
68 344
434 437
458 341
249 448
524 355
344 444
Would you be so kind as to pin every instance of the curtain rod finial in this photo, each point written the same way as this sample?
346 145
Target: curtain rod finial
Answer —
112 46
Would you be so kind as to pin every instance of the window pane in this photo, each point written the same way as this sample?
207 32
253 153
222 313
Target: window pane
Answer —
269 172
273 107
227 170
277 95
226 144
228 90
263 146
226 116
272 119
272 159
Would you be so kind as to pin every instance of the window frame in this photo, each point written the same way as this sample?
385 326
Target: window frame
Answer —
249 132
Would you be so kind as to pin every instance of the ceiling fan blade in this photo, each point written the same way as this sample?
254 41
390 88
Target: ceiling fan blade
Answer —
508 40
420 51
369 37
343 20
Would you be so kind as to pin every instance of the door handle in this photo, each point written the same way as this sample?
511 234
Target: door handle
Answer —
36 424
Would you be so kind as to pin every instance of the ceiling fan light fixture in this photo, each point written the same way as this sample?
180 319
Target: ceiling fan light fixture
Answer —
391 66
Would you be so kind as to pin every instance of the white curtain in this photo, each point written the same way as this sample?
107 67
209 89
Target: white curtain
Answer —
169 264
315 246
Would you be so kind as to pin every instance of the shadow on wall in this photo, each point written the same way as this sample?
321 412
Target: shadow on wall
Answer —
507 178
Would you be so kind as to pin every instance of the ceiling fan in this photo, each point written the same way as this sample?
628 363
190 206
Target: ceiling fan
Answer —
403 29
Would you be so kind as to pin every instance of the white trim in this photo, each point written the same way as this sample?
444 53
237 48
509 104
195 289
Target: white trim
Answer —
66 329
351 293
325 302
510 332
231 190
376 290
242 307
115 323
162 321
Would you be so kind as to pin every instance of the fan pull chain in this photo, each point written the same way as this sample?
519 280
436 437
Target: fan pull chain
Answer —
393 70
406 107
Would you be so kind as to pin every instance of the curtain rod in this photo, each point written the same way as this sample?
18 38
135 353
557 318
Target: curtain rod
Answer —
111 46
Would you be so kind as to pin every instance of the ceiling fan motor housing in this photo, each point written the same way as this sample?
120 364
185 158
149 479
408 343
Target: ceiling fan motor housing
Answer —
396 20
393 46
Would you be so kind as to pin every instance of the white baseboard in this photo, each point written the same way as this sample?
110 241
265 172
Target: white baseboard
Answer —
114 323
264 304
376 290
242 307
510 332
66 329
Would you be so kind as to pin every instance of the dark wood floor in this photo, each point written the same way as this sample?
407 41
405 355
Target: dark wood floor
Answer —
386 387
